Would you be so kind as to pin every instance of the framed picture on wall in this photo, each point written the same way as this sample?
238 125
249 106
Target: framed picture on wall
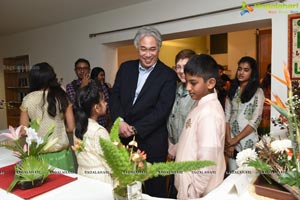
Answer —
294 45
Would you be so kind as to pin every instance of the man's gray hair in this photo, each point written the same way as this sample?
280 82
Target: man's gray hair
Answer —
147 31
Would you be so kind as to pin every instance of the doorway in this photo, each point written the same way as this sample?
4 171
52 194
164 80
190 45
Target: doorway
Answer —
240 43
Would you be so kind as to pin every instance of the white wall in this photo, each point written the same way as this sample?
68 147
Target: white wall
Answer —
62 44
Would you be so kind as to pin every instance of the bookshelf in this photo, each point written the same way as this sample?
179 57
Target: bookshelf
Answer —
16 74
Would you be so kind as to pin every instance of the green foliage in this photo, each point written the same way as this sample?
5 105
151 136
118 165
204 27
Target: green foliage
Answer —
35 124
260 165
13 146
114 133
164 169
291 178
30 169
117 158
125 172
281 110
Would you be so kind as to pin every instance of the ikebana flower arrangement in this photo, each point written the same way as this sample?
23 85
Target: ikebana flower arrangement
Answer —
278 159
128 164
32 170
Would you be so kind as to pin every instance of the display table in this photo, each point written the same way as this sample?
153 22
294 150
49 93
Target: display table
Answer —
82 188
86 188
235 187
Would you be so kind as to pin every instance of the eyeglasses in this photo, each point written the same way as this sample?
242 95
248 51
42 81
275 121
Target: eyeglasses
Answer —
82 69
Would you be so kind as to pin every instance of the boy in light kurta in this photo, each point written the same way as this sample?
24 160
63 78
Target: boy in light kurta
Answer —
203 135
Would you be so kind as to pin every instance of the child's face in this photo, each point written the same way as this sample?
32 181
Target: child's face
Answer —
244 72
102 107
197 87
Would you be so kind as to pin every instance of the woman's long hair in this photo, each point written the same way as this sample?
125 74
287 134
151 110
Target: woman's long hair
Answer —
253 82
43 77
86 98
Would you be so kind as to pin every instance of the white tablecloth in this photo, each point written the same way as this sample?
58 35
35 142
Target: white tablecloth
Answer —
82 188
86 188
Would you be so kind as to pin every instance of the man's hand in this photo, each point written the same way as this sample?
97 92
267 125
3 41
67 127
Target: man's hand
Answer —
125 130
85 80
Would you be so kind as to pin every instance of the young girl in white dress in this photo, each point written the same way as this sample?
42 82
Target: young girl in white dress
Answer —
90 104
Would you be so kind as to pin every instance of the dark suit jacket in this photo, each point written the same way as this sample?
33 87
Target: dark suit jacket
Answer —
151 109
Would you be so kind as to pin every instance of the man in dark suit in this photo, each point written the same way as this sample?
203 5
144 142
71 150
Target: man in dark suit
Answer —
143 96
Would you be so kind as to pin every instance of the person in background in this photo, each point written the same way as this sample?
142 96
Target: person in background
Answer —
223 85
143 96
243 109
182 105
265 84
82 70
49 103
91 104
183 102
98 75
224 77
203 135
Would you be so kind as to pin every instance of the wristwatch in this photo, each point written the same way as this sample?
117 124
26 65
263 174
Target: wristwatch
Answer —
134 130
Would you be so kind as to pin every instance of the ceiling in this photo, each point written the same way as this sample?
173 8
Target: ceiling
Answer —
21 15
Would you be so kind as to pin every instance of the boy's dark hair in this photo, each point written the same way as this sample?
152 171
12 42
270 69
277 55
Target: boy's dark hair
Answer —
82 60
202 65
253 82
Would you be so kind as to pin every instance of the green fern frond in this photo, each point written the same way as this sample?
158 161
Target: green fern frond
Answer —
126 171
163 169
114 133
116 157
118 160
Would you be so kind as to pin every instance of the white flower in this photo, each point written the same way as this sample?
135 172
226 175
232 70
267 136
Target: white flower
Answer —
279 146
244 156
32 135
265 139
50 143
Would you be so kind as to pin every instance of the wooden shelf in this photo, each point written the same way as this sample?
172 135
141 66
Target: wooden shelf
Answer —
13 87
16 74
